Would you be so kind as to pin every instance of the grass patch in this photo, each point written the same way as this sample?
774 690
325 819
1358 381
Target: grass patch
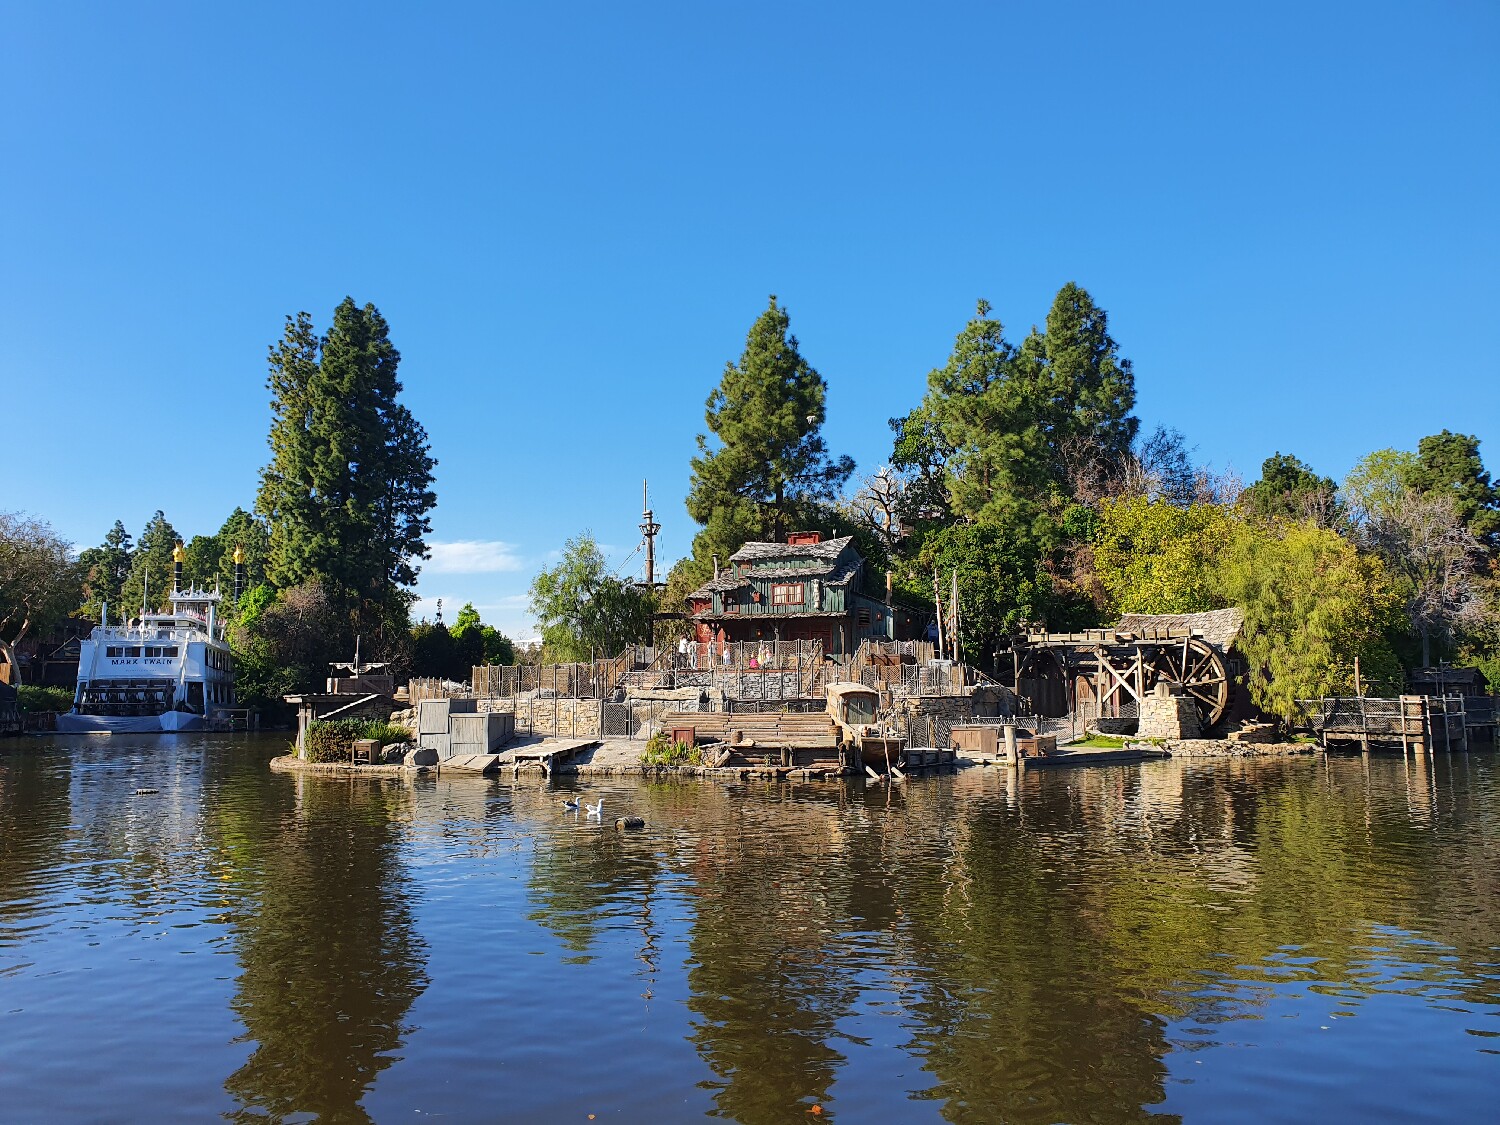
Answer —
1101 742
332 740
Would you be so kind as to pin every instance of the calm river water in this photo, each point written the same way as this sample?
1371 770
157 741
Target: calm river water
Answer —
1302 940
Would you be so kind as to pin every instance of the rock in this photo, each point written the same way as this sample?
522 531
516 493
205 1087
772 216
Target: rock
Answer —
629 822
1257 733
421 756
395 753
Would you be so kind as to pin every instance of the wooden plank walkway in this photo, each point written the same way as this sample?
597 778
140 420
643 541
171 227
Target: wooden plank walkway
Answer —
549 754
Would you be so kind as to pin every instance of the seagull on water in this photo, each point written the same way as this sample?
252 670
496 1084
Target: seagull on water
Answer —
571 805
595 810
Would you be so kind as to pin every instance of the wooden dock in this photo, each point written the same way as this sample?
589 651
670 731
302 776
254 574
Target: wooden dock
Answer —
549 754
1415 723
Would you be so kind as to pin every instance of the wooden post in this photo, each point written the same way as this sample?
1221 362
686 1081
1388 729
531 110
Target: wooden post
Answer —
1012 756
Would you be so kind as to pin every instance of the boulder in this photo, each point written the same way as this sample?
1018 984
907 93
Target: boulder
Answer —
395 753
421 756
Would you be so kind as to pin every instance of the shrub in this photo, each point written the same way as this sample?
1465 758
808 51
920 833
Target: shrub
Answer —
35 698
662 751
332 740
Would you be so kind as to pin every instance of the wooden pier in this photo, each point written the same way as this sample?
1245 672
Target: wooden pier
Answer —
548 755
1415 723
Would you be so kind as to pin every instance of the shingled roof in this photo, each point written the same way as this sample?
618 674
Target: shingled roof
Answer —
816 560
829 549
1219 627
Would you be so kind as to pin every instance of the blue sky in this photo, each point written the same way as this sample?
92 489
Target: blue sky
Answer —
571 213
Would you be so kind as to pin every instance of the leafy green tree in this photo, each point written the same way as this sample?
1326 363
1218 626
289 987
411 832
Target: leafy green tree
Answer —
1378 482
1289 489
348 489
1312 604
1001 588
584 611
771 462
285 640
40 583
919 459
434 653
1449 463
151 569
105 569
1152 556
479 643
988 426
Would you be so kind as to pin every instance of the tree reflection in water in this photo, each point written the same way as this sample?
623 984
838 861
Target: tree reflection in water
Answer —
331 962
772 884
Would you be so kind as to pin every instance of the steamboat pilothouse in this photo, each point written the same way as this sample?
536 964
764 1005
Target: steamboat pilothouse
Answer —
162 672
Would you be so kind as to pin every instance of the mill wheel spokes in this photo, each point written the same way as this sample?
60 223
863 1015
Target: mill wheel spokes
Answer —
1197 666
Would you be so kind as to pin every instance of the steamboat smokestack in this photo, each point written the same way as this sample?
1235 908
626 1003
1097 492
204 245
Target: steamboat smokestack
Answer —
178 554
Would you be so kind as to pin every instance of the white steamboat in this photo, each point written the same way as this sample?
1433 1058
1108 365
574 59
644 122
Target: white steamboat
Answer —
163 672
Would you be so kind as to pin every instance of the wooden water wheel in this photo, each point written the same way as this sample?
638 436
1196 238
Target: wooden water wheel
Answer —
1198 667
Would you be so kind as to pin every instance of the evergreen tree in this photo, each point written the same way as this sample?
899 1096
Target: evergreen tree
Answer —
1016 418
771 464
348 488
1289 489
1449 463
1086 391
245 531
150 570
104 569
990 421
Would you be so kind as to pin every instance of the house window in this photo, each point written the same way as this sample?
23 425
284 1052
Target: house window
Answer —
790 594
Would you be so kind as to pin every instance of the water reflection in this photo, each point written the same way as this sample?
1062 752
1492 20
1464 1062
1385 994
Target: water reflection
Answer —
35 814
1171 941
330 958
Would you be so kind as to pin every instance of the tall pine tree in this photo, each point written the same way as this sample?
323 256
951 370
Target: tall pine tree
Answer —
104 571
771 467
348 488
150 574
1016 417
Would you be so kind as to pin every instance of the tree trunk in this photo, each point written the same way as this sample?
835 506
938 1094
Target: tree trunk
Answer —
12 660
1426 648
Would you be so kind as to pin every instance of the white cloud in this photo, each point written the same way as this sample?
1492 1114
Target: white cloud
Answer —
471 556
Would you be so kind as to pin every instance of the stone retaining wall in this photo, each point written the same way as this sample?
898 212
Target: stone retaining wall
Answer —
1223 748
565 718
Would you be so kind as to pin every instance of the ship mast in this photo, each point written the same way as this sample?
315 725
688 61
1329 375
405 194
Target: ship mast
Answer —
650 529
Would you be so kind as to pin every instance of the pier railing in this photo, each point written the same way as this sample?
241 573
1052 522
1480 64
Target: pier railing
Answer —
1420 720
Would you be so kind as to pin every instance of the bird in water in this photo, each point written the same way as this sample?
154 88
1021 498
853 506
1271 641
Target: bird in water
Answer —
595 810
571 805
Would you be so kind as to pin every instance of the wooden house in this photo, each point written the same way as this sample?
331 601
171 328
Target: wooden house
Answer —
806 589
